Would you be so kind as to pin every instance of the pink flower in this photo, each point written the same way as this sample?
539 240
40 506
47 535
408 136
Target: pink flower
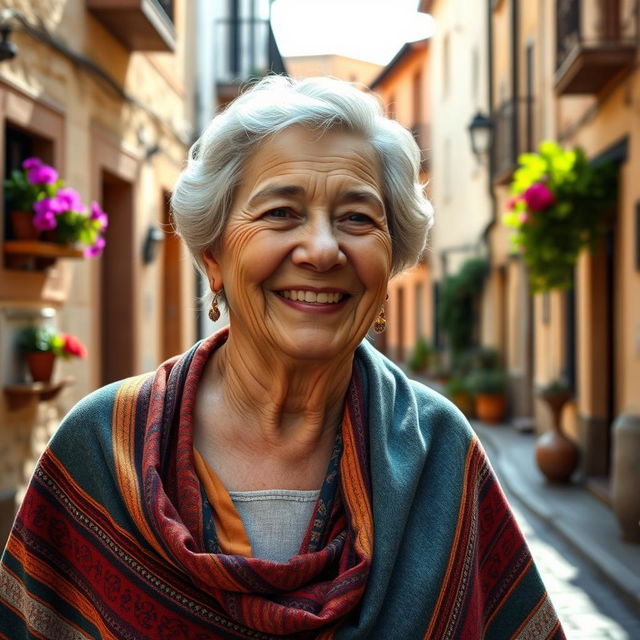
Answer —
73 347
69 200
538 197
45 213
53 205
44 221
98 214
42 174
523 218
31 163
96 248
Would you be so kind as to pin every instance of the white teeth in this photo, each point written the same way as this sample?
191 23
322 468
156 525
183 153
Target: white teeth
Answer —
311 296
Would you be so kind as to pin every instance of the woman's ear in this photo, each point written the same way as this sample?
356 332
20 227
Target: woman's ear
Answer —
213 268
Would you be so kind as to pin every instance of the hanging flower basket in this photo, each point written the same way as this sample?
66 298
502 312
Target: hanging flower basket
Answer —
559 207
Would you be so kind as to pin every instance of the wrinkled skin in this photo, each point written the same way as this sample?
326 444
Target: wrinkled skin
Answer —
308 216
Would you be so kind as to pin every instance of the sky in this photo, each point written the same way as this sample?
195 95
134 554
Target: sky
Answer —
372 30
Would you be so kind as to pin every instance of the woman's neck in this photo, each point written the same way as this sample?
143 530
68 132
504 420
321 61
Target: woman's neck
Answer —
272 404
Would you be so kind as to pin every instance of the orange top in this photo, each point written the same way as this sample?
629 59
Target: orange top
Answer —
231 534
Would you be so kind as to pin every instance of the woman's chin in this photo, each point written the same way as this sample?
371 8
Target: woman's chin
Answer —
316 344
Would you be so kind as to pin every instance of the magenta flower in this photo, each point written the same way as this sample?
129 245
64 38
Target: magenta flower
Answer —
98 214
49 205
44 220
96 248
70 199
43 174
538 197
31 163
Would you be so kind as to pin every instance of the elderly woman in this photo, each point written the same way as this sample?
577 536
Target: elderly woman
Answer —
282 478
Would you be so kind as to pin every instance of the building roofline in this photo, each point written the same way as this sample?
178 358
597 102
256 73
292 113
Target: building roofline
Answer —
407 48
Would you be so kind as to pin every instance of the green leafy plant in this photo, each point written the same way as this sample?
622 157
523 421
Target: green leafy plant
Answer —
45 339
456 385
457 313
420 355
488 381
558 208
555 388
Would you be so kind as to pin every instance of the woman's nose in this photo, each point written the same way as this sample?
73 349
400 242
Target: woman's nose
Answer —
318 247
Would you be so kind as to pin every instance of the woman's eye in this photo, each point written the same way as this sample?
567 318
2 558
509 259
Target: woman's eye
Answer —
360 218
278 212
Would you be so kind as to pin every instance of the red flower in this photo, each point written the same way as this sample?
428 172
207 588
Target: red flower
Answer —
511 202
73 346
538 196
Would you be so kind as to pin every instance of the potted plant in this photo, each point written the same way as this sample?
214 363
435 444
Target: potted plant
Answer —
558 207
459 392
489 388
419 359
23 189
42 207
557 456
42 345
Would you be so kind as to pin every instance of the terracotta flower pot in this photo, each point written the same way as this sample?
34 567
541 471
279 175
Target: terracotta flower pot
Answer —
490 407
22 225
464 402
557 456
40 364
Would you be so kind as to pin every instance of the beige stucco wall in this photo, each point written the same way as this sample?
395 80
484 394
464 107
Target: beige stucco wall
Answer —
94 121
459 182
335 66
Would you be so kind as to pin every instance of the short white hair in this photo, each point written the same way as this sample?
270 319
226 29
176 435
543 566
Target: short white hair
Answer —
202 198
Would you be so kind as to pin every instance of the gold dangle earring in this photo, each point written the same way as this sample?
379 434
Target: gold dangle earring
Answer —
380 323
214 311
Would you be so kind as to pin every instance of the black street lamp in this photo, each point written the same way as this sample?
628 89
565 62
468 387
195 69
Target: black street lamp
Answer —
480 134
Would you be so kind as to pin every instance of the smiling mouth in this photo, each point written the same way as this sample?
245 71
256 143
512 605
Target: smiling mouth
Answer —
312 297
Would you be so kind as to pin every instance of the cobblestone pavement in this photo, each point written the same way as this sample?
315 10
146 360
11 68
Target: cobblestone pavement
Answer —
588 606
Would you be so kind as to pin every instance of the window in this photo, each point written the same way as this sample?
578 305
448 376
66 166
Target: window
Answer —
529 123
475 74
448 171
446 62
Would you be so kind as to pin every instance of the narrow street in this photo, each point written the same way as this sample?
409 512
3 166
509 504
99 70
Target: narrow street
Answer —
590 609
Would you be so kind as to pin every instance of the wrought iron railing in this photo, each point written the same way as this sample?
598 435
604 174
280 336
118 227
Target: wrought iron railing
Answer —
514 131
594 23
245 48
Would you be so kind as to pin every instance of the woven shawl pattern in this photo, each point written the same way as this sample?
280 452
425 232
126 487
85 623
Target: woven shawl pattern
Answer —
115 538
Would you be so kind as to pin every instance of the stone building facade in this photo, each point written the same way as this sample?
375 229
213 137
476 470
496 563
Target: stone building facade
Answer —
104 92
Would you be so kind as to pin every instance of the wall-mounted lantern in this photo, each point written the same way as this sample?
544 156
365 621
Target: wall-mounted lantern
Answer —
480 129
8 50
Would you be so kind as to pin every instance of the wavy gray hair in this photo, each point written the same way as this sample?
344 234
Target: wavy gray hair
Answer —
202 199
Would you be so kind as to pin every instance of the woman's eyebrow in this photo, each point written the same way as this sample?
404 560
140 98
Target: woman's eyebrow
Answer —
360 195
276 191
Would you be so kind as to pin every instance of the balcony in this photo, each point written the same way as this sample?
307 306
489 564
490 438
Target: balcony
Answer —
141 25
513 134
245 49
596 40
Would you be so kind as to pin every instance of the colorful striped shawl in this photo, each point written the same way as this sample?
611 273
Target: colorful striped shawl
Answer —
411 536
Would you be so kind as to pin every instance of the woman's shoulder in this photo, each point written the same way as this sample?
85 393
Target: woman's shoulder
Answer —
390 386
90 419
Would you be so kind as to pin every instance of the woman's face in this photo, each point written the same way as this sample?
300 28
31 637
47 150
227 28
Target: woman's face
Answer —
306 254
